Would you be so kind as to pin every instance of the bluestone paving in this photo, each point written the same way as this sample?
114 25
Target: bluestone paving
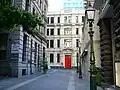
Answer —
53 80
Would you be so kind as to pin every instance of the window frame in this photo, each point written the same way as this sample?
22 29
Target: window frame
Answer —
52 20
58 19
77 42
58 31
58 57
51 58
76 19
51 43
58 43
77 31
48 32
52 31
47 43
48 20
67 43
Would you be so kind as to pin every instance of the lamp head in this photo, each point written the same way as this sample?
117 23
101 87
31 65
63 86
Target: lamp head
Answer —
90 13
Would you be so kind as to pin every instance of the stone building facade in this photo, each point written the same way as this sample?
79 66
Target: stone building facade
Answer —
63 35
109 41
25 53
105 26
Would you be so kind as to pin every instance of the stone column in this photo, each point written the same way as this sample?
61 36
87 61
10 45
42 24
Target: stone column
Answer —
106 51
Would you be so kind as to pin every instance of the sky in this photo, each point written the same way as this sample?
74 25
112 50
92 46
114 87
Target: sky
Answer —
55 5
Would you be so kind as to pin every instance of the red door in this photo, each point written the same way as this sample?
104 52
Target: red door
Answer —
67 61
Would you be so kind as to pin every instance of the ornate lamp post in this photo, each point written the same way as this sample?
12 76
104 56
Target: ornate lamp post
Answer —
90 13
80 67
77 61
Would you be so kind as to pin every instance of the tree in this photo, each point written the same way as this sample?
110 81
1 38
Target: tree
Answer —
10 17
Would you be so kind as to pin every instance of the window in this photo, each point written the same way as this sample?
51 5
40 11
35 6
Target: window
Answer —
77 31
47 43
65 19
47 19
33 11
35 54
67 43
40 2
76 19
69 19
38 59
51 58
51 31
117 68
58 58
27 5
43 54
58 31
77 42
51 43
83 18
52 19
41 5
24 47
44 8
67 31
58 19
31 52
23 72
47 32
58 43
44 30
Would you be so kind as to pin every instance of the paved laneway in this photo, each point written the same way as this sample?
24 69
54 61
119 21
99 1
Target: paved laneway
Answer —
55 80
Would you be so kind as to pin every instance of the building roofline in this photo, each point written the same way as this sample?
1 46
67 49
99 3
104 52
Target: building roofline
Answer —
64 13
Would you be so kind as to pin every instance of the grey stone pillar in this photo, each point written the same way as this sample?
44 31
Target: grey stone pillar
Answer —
106 51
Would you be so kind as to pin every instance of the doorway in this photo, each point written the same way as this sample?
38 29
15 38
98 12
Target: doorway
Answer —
67 61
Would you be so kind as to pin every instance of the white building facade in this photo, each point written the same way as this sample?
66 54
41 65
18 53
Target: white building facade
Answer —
63 37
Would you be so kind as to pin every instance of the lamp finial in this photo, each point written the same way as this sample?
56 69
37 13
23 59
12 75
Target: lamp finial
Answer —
89 4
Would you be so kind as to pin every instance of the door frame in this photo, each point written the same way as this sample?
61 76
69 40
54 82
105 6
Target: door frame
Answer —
70 62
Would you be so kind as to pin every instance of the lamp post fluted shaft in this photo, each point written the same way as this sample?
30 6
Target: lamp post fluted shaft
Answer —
77 64
92 60
80 67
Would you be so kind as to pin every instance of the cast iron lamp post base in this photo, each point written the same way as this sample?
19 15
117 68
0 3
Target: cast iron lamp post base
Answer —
92 60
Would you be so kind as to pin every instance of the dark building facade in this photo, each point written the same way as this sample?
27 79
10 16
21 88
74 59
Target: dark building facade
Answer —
109 26
116 39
